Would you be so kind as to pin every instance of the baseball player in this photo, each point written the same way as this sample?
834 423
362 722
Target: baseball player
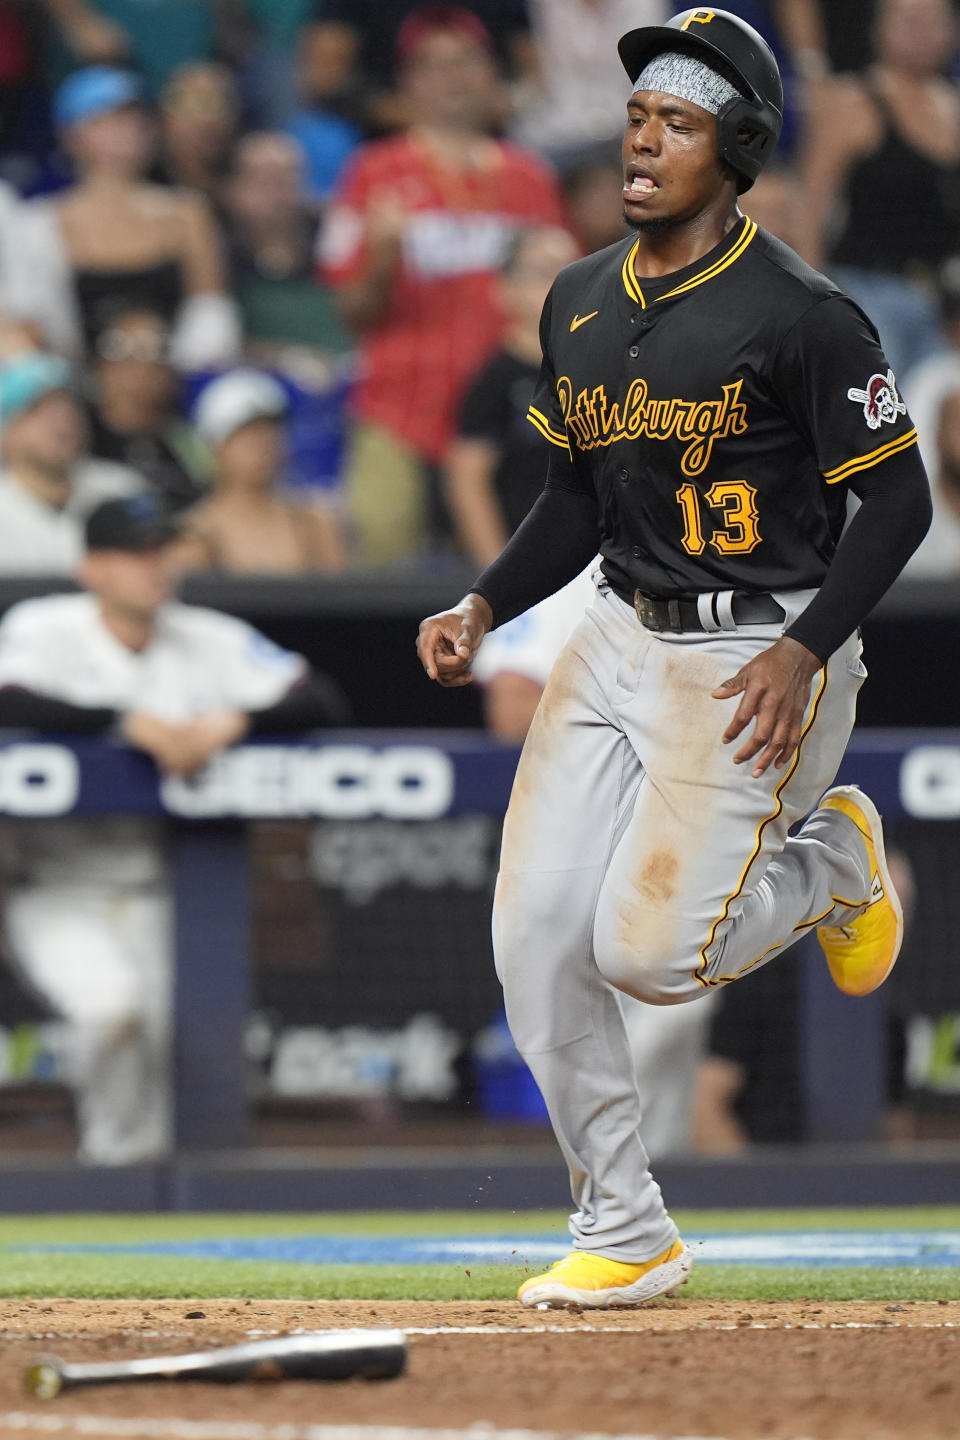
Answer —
88 912
710 400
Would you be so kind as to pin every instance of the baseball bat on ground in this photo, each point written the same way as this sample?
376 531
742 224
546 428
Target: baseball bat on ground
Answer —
320 1355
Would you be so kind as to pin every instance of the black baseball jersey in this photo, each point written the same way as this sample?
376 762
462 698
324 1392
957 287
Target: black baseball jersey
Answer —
718 413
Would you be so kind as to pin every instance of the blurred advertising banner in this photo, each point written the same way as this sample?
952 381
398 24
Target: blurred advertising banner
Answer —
371 860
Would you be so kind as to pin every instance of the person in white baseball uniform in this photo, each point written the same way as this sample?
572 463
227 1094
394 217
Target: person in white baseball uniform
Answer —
88 913
710 400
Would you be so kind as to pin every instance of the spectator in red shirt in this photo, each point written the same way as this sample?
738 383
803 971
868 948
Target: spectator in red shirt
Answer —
413 246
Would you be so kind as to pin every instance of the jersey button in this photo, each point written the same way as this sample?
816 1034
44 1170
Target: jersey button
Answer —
623 476
637 552
634 351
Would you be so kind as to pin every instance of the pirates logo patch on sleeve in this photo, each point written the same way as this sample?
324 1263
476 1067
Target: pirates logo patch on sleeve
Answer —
881 402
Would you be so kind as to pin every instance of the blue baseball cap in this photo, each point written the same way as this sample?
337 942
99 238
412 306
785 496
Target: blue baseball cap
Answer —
94 91
28 378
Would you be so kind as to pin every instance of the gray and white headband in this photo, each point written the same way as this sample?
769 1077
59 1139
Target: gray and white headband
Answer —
688 78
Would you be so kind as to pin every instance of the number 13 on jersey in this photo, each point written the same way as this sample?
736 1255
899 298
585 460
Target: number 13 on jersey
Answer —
735 532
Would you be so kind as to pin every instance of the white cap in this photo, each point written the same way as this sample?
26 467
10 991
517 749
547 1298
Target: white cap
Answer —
235 399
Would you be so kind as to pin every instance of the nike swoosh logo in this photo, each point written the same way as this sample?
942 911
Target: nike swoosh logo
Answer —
579 320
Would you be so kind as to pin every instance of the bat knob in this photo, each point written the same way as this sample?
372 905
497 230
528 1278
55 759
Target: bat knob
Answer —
44 1379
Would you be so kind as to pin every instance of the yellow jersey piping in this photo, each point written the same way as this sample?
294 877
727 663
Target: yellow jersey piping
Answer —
750 230
758 842
634 291
540 422
866 462
630 279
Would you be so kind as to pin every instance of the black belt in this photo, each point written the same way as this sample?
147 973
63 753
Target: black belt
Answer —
681 615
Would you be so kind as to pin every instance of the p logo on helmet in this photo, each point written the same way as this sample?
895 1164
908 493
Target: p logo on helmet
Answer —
700 17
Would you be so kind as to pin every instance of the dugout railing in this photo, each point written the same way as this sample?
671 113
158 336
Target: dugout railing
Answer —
408 777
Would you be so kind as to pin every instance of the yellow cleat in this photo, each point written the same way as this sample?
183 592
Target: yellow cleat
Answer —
862 952
594 1281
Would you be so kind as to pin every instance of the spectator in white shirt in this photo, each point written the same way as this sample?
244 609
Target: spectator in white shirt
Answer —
47 481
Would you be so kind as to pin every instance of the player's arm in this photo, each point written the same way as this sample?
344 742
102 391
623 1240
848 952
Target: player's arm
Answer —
556 541
23 709
32 664
832 345
178 748
894 516
185 748
834 380
169 745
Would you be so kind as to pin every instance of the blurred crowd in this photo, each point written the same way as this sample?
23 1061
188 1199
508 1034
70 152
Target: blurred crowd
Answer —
279 263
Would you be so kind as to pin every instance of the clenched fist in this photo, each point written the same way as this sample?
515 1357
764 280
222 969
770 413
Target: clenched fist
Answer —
448 643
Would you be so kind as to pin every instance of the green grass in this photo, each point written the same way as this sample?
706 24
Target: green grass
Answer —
127 1229
162 1276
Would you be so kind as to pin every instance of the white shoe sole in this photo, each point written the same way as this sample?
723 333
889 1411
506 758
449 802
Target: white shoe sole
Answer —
875 824
660 1281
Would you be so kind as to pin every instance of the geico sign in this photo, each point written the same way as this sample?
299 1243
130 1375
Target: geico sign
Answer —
930 782
338 782
38 780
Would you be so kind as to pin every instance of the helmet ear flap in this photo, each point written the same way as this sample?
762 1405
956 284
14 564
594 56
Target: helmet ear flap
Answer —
744 139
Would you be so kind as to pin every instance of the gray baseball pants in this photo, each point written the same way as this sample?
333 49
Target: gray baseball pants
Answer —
637 857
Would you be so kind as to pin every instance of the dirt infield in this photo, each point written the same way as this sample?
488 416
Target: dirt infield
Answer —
865 1371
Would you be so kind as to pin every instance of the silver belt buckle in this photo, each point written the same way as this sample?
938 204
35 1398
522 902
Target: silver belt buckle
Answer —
646 611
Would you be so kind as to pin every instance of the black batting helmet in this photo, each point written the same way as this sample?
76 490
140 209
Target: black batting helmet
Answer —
748 126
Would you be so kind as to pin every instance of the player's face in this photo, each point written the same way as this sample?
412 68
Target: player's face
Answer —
671 166
136 582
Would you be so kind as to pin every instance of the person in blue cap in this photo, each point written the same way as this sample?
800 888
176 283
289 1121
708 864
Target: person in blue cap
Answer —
112 235
47 480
